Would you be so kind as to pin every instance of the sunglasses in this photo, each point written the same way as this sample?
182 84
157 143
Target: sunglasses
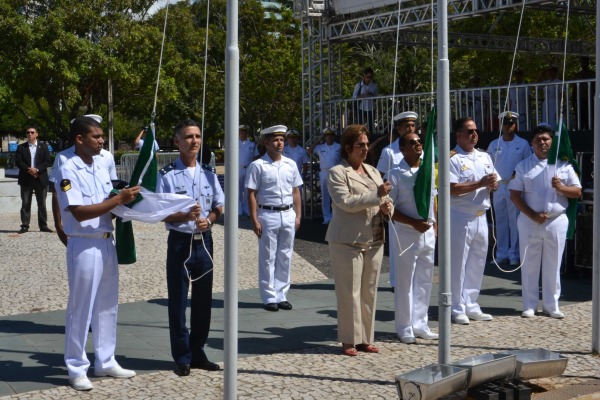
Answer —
471 131
31 132
362 145
508 122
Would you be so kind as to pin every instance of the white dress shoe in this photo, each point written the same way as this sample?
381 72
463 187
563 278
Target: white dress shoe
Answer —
479 316
116 372
426 335
461 319
408 339
555 314
529 313
81 383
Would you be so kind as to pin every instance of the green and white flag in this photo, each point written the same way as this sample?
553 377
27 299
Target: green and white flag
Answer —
424 184
561 150
144 174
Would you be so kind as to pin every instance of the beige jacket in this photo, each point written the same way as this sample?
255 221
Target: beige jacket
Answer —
356 215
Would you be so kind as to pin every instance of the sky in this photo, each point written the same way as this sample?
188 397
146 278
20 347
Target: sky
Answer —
160 4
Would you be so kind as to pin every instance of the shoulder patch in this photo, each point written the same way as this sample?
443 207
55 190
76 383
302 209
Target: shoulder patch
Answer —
453 153
65 185
167 168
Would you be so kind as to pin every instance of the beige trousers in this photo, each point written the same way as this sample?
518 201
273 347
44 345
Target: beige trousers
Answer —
356 273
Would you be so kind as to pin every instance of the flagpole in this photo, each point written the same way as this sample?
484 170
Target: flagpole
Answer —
443 125
232 103
596 214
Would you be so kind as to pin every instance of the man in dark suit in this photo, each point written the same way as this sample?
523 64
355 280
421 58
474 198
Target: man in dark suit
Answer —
33 159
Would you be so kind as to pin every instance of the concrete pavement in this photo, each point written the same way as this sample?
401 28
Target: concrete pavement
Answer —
283 355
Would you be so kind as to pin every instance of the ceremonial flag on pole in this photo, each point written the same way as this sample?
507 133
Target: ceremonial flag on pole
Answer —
424 183
561 150
144 174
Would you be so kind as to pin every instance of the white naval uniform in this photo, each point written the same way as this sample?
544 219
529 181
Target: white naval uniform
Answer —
414 272
506 156
468 230
543 243
247 153
92 267
329 157
105 158
298 154
390 158
273 183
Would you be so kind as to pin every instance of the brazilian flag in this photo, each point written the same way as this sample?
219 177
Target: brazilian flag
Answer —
561 150
144 174
424 181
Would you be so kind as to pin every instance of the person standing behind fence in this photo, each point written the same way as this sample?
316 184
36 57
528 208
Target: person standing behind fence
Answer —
248 152
33 159
519 98
139 140
329 154
363 107
295 152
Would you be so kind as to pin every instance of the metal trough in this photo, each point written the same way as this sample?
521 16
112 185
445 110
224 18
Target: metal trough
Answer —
538 363
488 367
431 382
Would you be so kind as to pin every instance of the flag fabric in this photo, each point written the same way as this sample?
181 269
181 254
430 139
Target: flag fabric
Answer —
424 182
561 150
144 174
154 208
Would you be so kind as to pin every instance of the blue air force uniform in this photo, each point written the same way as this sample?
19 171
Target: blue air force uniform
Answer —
92 267
184 242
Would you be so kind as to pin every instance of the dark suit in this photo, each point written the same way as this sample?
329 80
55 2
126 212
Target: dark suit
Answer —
30 184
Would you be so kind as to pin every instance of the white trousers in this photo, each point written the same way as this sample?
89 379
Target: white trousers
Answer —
414 277
93 275
275 248
325 197
505 219
243 193
542 247
469 240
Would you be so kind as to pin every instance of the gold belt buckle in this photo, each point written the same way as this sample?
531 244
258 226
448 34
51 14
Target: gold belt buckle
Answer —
106 235
480 213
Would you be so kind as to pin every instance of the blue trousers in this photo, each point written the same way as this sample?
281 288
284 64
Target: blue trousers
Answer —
187 346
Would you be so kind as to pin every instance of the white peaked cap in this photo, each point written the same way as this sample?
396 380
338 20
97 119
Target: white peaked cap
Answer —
508 115
273 130
406 115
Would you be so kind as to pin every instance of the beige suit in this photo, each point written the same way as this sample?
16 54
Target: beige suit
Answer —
355 237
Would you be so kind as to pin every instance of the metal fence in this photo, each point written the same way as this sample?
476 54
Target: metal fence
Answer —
536 103
127 163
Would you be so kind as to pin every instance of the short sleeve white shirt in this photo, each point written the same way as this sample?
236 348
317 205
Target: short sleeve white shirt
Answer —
273 180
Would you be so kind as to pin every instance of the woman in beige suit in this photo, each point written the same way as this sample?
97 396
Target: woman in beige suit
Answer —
355 237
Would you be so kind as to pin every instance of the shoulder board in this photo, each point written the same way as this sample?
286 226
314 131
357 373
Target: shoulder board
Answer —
453 153
166 169
208 168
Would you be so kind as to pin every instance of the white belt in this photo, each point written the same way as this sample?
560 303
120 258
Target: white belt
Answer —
104 235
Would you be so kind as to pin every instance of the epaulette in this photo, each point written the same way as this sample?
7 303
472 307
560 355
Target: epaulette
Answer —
208 168
167 168
453 153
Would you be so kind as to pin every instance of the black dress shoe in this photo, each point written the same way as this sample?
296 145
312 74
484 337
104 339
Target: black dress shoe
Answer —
46 229
272 307
23 230
182 369
285 305
205 365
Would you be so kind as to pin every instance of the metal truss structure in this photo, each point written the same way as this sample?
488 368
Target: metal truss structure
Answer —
323 34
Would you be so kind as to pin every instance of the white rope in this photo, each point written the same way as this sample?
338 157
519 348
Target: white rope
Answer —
162 46
199 164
